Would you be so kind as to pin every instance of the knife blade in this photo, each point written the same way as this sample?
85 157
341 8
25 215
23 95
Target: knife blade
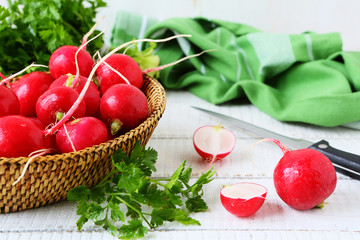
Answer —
344 162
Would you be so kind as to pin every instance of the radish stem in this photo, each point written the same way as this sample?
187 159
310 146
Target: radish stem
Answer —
91 31
6 80
176 62
83 45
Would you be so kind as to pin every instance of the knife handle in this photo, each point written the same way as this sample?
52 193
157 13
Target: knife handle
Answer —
344 162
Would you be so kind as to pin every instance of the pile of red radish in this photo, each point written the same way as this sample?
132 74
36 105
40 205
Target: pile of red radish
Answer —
64 110
42 111
303 178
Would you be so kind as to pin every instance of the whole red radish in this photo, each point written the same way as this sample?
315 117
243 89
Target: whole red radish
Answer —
123 107
81 133
62 61
92 96
29 88
37 122
55 102
52 137
9 103
125 65
213 142
303 178
243 199
19 136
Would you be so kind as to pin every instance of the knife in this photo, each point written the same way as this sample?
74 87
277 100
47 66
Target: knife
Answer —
344 162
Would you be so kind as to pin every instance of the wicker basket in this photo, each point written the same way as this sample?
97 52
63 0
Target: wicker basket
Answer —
49 178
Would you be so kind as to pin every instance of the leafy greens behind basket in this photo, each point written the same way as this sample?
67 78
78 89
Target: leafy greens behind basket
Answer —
31 30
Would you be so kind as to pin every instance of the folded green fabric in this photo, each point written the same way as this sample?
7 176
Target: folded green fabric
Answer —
292 77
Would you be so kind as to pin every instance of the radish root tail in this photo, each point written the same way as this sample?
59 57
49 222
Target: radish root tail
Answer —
68 136
210 165
277 142
32 155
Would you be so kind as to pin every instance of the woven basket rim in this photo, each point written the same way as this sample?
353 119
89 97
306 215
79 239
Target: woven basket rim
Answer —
156 113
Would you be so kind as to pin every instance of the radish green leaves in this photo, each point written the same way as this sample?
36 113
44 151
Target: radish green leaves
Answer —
127 202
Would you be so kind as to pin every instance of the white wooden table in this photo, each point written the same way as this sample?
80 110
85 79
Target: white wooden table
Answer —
339 219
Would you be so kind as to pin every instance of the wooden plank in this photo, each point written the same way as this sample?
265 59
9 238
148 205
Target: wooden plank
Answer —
191 234
173 141
339 214
199 235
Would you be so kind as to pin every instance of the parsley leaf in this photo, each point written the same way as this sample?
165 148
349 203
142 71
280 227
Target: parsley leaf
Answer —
128 202
31 30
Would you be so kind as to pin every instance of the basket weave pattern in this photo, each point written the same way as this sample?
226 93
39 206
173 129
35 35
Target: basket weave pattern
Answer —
49 178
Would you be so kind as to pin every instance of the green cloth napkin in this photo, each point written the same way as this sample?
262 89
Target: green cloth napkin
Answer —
292 77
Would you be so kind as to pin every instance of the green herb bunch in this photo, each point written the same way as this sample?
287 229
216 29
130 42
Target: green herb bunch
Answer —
128 198
31 30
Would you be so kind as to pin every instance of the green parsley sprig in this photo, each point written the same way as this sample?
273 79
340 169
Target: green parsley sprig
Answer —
31 30
128 198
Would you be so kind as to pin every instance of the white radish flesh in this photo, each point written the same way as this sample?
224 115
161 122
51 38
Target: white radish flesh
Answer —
243 190
213 142
243 199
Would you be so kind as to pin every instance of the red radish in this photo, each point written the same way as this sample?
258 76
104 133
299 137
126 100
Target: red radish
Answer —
91 97
123 107
29 88
9 103
52 137
81 133
38 123
213 142
243 199
125 65
7 80
303 178
62 61
55 102
92 73
19 136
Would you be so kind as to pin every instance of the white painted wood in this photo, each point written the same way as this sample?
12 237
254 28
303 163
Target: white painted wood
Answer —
173 141
339 219
200 235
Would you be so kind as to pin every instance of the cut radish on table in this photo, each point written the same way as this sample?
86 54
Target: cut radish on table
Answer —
213 142
243 199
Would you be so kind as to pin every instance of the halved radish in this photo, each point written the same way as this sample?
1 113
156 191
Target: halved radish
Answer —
243 199
213 142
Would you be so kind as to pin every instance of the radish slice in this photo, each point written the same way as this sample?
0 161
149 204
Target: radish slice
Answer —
243 199
213 142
